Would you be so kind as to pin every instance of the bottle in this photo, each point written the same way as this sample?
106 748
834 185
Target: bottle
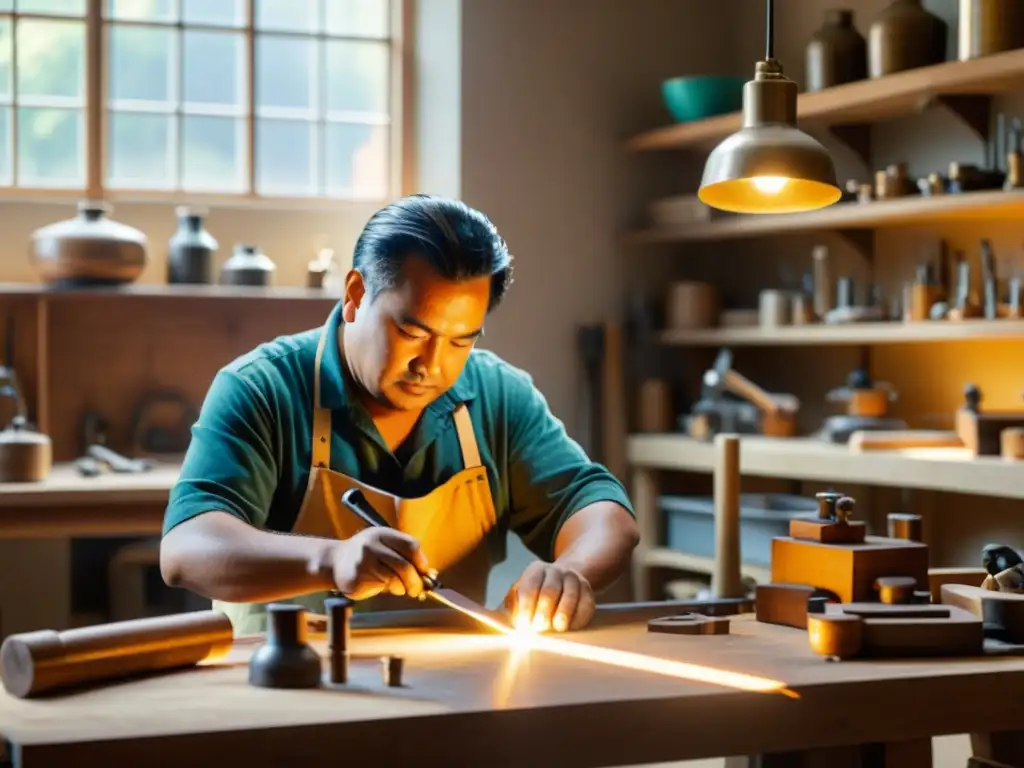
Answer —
837 53
190 250
905 36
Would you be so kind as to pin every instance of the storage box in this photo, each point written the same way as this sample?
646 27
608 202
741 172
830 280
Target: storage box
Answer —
690 523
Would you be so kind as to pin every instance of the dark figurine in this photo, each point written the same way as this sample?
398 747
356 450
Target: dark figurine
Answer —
996 558
972 397
285 660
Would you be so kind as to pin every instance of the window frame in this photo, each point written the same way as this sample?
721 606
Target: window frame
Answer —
97 115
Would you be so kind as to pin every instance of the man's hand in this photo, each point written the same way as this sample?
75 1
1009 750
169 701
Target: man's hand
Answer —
550 596
378 560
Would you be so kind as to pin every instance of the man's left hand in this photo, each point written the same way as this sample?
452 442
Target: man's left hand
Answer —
550 596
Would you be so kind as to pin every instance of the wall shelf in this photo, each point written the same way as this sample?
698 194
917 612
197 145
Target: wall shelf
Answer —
865 102
948 469
852 333
992 205
159 290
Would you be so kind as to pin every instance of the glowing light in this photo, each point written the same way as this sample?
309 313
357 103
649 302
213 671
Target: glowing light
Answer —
770 185
524 637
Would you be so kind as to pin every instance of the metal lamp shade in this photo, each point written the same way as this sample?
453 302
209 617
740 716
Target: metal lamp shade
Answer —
769 165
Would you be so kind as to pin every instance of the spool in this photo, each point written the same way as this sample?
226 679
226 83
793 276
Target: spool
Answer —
339 635
42 661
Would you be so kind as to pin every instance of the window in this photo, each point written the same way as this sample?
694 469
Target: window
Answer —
257 98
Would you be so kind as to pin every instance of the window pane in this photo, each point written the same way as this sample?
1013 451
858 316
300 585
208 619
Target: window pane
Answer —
357 77
6 5
141 66
357 160
363 18
214 68
50 151
287 15
6 52
142 10
220 13
141 151
285 157
51 58
213 159
62 7
285 72
6 150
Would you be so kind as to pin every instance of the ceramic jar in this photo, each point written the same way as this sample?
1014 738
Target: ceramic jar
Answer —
191 250
248 265
89 249
905 36
837 53
990 26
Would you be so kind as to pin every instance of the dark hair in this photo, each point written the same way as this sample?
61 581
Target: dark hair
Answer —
458 241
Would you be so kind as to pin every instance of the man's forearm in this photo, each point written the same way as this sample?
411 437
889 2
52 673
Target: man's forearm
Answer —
597 542
223 558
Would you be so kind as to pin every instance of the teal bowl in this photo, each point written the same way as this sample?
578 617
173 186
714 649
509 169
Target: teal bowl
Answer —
695 98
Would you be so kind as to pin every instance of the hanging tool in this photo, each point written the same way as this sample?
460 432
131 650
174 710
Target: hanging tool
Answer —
357 503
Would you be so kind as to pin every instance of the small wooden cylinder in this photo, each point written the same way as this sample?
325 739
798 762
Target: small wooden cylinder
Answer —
868 402
774 309
726 580
1011 442
36 662
904 526
655 406
691 305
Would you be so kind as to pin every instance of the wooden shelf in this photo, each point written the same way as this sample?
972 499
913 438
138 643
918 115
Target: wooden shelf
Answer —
663 557
972 206
852 333
158 290
863 102
65 486
947 469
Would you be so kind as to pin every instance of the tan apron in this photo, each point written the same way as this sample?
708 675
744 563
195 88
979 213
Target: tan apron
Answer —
451 522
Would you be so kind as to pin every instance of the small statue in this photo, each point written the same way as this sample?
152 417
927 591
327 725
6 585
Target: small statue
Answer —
1005 568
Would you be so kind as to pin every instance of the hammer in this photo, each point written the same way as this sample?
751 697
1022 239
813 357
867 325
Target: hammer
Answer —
722 378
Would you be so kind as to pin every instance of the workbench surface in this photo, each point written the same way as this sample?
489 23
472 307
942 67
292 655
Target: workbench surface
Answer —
471 700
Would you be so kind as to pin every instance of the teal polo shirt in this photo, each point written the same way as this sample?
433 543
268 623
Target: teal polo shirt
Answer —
250 452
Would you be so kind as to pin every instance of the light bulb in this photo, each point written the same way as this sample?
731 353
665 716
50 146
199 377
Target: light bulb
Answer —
770 185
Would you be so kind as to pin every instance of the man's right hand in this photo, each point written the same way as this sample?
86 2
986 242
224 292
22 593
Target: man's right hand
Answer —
378 560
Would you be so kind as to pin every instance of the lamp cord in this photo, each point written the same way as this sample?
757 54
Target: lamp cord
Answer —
769 52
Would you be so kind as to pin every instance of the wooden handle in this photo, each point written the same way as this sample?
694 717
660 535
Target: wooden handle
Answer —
893 440
35 662
743 387
726 581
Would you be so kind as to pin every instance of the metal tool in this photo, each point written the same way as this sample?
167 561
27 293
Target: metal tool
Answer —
356 502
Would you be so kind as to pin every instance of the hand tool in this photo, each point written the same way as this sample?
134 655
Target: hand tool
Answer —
355 501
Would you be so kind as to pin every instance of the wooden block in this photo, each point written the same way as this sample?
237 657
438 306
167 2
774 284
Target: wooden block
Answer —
848 570
1001 612
827 531
690 624
896 590
788 604
1011 443
981 432
894 632
882 611
937 577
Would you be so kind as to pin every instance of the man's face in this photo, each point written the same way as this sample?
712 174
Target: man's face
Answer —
408 345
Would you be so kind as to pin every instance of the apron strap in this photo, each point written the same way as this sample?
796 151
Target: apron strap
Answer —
321 416
467 437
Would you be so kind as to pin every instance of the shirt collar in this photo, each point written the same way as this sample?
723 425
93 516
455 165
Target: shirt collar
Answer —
334 389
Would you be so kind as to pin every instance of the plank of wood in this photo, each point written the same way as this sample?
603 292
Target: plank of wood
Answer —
475 691
990 206
951 469
847 333
65 486
865 101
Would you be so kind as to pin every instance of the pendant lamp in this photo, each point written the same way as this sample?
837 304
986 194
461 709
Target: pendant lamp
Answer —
769 165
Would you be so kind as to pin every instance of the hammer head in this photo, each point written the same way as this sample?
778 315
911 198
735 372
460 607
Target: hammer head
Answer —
714 377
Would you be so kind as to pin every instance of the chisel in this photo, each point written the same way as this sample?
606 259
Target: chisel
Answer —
357 503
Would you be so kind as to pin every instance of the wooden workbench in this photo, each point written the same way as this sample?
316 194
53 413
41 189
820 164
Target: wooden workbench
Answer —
469 700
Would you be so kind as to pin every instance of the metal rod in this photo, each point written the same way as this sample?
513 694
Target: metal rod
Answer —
769 51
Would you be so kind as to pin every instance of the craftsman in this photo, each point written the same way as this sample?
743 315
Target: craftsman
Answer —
391 396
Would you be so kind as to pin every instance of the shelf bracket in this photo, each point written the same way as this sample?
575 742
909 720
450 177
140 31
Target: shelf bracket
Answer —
857 138
861 240
975 111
